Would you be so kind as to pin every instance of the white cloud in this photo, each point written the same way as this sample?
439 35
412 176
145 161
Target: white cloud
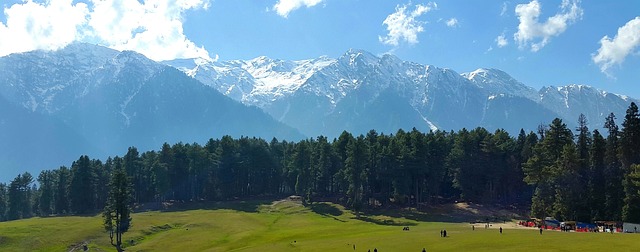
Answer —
453 22
40 26
505 6
501 41
402 25
284 7
153 27
614 51
536 34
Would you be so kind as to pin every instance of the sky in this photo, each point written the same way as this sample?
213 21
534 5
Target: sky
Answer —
538 42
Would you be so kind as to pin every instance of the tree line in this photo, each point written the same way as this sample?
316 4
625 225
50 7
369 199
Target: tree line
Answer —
569 174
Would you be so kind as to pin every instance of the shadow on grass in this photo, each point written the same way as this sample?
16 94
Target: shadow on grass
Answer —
420 216
249 206
326 210
386 222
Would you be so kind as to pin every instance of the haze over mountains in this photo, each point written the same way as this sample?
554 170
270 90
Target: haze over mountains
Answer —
92 100
86 99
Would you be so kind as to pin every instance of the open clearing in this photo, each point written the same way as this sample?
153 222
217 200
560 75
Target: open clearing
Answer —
289 226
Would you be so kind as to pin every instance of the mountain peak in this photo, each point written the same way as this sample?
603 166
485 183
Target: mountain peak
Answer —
497 82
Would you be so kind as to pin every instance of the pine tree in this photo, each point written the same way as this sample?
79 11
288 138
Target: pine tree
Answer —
583 144
81 188
46 197
631 209
613 175
629 153
300 166
545 165
19 197
117 212
133 166
355 173
597 181
62 190
567 198
3 201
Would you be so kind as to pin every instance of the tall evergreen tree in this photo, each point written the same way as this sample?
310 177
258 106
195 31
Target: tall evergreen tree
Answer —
597 182
81 188
567 202
582 174
300 165
134 168
19 197
62 190
629 153
355 173
117 212
543 168
46 197
3 201
613 174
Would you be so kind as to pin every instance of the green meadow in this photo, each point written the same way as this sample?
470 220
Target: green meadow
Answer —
289 226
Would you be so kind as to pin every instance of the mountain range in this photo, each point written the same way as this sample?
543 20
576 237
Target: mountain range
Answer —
87 99
359 91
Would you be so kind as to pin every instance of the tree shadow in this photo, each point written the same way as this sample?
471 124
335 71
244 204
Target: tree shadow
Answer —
386 222
249 206
326 210
421 216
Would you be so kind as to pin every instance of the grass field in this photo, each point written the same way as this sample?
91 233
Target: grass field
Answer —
288 226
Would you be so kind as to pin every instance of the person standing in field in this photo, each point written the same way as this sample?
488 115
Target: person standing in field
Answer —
500 230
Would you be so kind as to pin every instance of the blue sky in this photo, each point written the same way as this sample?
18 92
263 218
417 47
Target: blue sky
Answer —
539 42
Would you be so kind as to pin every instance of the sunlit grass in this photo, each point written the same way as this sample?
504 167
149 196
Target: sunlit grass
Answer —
288 226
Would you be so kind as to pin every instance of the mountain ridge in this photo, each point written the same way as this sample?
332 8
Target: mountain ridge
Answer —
426 87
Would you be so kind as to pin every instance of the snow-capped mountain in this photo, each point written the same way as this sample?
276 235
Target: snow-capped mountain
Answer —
87 99
360 91
497 82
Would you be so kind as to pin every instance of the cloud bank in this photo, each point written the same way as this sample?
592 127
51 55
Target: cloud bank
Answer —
533 33
153 27
614 51
284 7
403 26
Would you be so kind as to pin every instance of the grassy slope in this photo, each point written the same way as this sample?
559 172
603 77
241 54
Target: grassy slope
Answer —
275 227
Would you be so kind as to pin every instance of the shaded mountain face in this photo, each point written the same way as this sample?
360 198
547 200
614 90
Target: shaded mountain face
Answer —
92 100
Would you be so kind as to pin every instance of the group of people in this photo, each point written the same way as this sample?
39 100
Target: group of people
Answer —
443 233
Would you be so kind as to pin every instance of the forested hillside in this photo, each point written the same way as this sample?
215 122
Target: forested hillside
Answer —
570 174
